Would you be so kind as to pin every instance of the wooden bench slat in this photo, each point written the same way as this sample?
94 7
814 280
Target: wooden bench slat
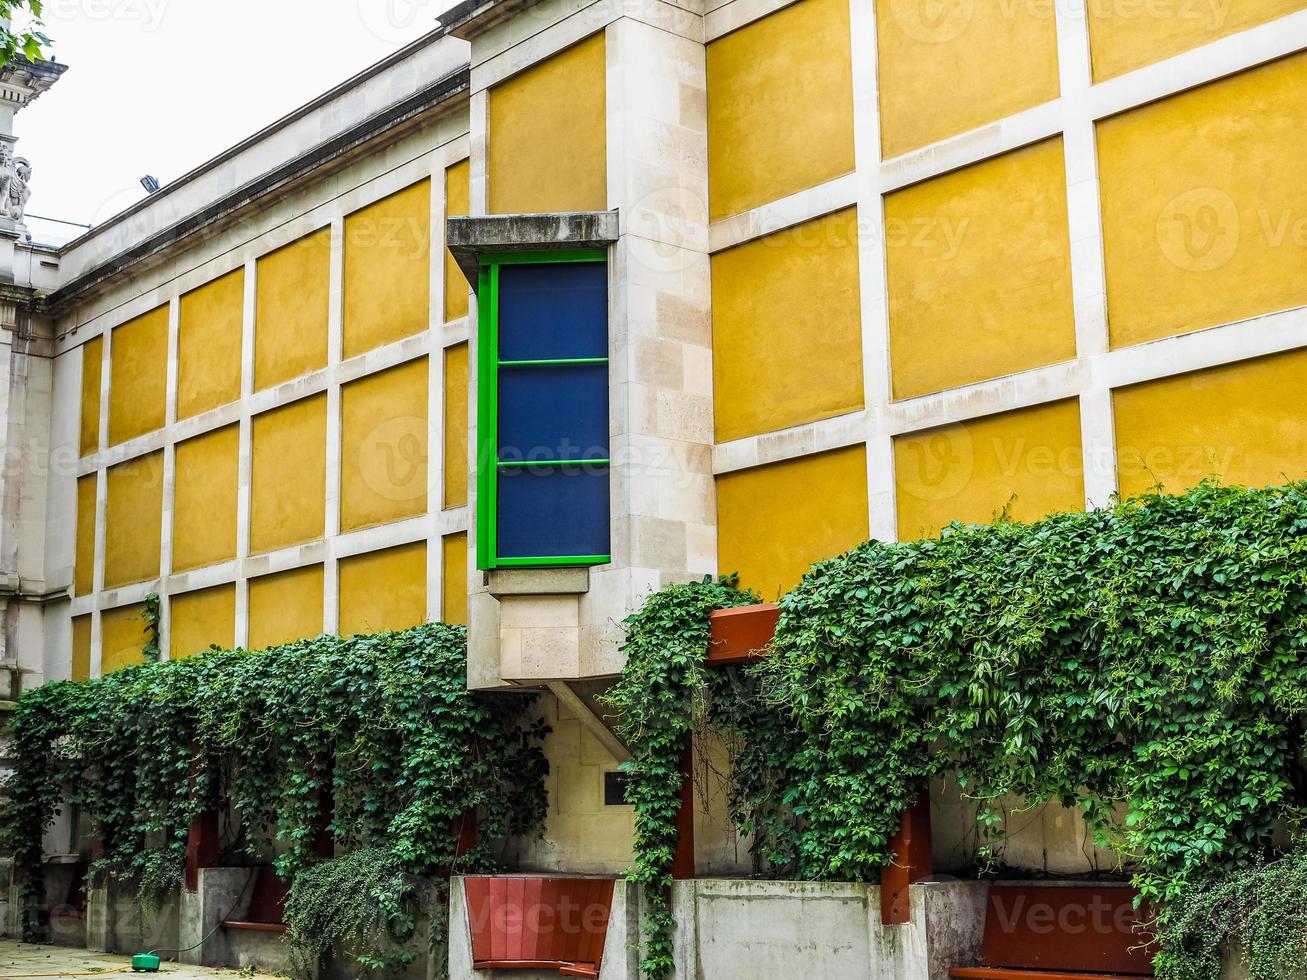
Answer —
1001 973
256 926
1057 929
515 940
532 923
565 969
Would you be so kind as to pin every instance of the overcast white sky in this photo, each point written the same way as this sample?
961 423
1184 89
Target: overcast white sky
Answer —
160 86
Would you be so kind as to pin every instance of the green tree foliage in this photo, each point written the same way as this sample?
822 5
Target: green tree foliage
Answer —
27 41
1147 660
384 724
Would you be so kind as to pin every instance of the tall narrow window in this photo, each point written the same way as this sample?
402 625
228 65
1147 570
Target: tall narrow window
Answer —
542 410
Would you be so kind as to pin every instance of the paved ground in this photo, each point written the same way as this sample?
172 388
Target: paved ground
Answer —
21 960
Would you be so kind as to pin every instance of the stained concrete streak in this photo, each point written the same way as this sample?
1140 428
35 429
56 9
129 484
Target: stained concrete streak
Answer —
19 960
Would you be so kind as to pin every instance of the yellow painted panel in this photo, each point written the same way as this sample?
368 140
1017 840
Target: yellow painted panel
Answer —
81 666
775 521
1242 423
84 560
288 475
1204 206
453 601
458 195
133 521
285 607
937 66
388 270
290 318
384 590
122 638
92 374
548 135
979 265
204 499
209 345
1126 36
384 436
202 619
138 376
787 328
780 106
1028 462
456 426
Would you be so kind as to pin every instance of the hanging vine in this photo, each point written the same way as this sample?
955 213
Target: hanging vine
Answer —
661 693
383 725
1150 657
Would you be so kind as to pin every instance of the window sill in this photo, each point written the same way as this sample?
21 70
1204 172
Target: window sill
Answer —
539 581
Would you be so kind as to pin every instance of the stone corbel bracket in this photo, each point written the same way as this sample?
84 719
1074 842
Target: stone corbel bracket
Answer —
472 237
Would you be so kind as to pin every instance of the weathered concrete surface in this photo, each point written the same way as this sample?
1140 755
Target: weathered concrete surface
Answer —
117 923
740 930
22 959
223 893
730 929
468 238
539 581
1234 966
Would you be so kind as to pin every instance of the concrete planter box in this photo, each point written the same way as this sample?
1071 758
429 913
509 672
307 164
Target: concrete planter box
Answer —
116 922
744 930
740 930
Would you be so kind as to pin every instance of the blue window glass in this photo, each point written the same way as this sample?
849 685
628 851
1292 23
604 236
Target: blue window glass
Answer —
553 411
543 411
553 310
553 511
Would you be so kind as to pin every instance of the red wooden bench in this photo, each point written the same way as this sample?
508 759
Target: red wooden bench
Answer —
539 923
1055 932
267 904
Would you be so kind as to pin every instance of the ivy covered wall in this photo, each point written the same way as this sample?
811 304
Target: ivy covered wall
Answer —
1144 664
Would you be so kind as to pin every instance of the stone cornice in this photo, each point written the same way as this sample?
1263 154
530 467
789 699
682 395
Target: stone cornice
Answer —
23 81
438 96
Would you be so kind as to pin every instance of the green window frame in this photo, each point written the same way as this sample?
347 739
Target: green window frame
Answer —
489 364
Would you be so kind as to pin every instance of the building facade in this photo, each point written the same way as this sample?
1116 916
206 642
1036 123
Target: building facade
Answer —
813 271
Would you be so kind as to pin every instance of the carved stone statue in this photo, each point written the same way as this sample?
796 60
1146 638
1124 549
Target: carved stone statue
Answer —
6 175
19 189
15 178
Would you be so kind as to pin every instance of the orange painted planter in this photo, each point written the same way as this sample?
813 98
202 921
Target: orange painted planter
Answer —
538 923
741 635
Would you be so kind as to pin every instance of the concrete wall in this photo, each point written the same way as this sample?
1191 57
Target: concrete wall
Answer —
741 930
275 465
581 835
747 930
117 923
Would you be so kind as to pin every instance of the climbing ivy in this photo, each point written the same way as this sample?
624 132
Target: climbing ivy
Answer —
151 613
1145 664
383 726
660 696
1256 913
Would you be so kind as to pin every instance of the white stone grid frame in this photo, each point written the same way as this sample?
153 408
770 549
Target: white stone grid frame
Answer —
1097 370
430 344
